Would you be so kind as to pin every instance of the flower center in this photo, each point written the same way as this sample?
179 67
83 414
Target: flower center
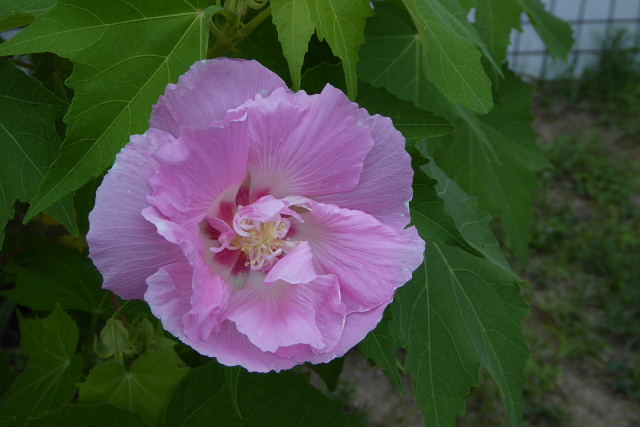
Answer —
261 242
262 231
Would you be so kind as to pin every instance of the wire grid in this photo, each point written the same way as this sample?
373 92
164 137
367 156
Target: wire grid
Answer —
580 55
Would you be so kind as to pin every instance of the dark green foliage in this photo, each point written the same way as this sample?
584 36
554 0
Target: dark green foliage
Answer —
52 370
285 399
88 416
87 358
28 142
52 274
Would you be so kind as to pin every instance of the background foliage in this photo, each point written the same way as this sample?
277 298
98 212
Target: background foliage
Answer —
92 75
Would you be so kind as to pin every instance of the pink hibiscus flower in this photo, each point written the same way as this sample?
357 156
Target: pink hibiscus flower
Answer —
265 228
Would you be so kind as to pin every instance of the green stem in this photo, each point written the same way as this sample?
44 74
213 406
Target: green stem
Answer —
222 45
253 24
120 308
214 31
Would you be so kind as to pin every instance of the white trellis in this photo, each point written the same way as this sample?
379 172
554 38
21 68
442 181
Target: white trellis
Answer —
590 19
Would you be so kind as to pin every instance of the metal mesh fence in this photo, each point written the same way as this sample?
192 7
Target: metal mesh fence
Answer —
591 21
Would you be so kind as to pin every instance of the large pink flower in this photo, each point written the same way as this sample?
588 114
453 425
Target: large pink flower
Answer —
264 227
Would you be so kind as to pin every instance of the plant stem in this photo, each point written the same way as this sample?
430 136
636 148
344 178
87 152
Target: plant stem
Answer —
222 45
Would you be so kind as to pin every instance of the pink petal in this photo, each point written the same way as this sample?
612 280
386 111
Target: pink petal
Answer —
295 267
356 327
267 208
210 88
169 296
369 258
305 145
285 314
198 171
209 299
192 243
188 301
188 240
232 348
122 244
384 190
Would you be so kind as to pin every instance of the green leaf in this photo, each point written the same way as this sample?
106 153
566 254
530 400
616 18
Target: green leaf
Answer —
88 416
472 222
7 309
53 274
458 313
495 158
232 379
450 317
264 47
84 200
450 14
52 71
114 340
16 13
341 23
468 4
554 32
7 372
329 372
428 213
292 18
404 60
124 57
53 368
28 142
380 346
284 399
495 19
416 125
144 388
8 421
